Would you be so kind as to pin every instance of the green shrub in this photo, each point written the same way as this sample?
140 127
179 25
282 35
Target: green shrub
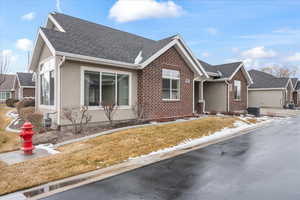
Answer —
11 102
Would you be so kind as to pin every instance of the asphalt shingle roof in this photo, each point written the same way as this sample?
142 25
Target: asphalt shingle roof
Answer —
294 81
25 79
8 84
298 86
90 39
225 70
265 80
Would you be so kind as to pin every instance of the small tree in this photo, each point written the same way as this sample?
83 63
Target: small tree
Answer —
138 110
3 68
79 119
280 72
109 111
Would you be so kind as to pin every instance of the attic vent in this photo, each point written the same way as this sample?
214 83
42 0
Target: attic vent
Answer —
139 58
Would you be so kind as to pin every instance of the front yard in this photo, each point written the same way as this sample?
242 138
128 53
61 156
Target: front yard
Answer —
8 141
107 150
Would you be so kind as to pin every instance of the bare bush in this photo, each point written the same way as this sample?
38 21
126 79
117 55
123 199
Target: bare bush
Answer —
109 111
79 118
138 110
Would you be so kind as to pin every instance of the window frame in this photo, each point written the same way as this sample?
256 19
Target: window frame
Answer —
170 78
240 96
104 70
5 92
38 82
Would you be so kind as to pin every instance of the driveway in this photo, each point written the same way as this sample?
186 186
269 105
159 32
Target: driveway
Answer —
263 164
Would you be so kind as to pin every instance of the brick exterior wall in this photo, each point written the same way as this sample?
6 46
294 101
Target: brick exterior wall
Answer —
28 92
238 105
150 88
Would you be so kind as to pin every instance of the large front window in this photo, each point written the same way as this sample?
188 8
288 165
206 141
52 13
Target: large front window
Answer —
170 84
5 95
237 89
105 87
47 83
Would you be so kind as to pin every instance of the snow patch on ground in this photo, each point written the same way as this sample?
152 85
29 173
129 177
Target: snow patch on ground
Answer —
48 147
226 132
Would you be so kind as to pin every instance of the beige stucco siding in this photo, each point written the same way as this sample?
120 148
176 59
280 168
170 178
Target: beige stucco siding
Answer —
71 90
266 98
215 94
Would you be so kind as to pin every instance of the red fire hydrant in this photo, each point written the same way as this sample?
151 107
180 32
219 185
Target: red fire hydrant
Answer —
26 135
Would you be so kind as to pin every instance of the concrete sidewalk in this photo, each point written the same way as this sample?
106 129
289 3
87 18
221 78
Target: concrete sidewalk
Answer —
279 112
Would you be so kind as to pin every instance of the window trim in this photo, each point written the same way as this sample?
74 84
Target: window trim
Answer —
240 98
10 95
38 82
101 70
170 79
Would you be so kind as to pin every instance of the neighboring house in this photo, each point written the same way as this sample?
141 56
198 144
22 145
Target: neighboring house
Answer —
269 91
297 89
296 92
7 88
24 86
227 88
80 63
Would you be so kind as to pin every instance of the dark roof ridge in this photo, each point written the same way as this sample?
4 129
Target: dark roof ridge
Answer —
114 29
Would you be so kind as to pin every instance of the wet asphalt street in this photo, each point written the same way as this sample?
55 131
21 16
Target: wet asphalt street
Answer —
264 164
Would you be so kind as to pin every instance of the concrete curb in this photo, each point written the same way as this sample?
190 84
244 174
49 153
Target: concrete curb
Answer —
51 188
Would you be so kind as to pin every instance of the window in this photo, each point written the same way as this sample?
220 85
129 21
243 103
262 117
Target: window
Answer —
5 95
47 83
91 88
109 88
237 89
170 84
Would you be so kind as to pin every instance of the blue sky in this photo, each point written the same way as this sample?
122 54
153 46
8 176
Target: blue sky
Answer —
261 33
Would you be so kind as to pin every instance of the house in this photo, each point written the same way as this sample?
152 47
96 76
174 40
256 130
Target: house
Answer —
24 86
80 63
297 98
269 91
7 87
296 91
226 90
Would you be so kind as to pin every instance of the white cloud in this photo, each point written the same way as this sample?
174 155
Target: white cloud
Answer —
58 7
258 53
235 50
294 58
212 31
130 10
24 44
205 54
29 16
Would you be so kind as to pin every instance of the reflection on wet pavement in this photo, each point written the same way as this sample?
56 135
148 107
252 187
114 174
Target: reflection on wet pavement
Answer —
261 165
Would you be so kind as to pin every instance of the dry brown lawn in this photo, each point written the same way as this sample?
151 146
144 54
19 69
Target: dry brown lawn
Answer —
8 141
104 151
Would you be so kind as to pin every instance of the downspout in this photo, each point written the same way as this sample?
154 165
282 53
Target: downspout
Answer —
59 89
202 95
228 109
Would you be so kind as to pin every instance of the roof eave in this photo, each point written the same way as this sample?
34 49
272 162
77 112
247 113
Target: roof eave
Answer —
95 60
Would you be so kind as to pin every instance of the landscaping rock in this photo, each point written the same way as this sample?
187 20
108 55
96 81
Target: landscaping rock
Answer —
44 138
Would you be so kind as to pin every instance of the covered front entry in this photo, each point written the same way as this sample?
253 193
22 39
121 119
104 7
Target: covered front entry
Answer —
199 104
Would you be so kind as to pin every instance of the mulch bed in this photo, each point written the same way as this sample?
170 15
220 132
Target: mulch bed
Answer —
55 136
